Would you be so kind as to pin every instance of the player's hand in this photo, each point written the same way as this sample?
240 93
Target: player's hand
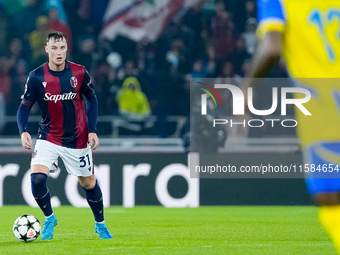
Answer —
26 140
93 140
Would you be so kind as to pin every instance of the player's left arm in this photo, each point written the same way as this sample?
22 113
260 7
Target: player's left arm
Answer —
91 110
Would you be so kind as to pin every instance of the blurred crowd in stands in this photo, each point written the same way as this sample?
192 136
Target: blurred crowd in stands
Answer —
212 39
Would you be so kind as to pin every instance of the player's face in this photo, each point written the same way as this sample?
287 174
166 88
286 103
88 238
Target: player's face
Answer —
56 53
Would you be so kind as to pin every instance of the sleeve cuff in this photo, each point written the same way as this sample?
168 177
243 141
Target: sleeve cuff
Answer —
270 25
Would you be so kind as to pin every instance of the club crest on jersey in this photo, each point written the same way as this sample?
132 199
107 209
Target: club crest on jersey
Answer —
73 81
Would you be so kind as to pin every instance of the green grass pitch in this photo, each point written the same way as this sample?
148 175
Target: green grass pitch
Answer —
158 230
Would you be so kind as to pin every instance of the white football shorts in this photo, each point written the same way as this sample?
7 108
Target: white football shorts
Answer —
78 162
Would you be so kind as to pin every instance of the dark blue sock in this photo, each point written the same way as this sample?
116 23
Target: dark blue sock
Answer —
41 193
95 199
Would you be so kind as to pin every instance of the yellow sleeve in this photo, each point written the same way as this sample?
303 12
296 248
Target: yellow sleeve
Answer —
269 25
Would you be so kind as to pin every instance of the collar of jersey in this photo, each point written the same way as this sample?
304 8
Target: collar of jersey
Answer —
57 73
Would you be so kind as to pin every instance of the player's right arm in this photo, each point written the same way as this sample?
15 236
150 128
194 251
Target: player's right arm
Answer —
271 27
267 53
28 99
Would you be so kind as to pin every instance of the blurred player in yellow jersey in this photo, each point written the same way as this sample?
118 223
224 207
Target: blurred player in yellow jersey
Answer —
307 34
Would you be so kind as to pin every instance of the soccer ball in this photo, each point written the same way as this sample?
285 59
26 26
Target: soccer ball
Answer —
26 228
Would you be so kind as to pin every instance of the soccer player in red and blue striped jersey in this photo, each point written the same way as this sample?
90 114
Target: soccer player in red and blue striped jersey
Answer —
67 129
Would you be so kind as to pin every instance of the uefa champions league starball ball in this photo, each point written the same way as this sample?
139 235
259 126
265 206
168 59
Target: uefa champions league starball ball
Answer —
26 228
